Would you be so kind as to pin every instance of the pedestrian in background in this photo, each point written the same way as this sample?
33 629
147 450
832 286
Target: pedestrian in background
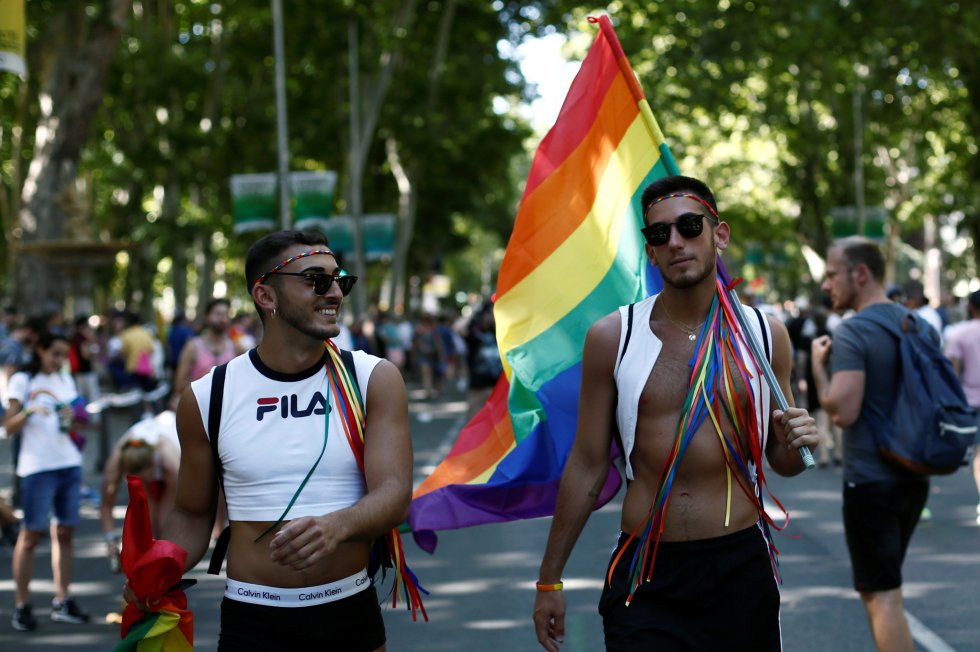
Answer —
50 468
83 355
857 378
963 349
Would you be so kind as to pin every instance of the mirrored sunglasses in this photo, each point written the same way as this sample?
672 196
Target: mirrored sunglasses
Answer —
689 225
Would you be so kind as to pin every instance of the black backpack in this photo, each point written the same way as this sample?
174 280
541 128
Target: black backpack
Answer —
932 427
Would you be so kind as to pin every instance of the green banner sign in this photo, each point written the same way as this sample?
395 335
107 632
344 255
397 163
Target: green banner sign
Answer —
340 234
312 194
845 222
253 199
378 230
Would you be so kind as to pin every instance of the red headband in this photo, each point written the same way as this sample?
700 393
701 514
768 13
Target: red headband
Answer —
682 194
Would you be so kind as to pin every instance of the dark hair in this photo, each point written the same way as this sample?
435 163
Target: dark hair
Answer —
859 250
670 185
975 299
915 291
267 252
44 341
216 302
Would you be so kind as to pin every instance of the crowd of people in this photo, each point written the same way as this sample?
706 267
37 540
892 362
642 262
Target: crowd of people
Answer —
638 393
51 369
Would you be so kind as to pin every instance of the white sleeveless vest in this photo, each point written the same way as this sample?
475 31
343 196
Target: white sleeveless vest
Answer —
271 433
642 350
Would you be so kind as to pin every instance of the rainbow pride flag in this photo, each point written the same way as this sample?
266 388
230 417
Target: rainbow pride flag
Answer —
575 255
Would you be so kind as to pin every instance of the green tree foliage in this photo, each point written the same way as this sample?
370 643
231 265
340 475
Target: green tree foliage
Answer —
189 101
763 99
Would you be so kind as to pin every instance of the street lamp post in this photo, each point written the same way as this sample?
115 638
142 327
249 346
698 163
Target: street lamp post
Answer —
281 125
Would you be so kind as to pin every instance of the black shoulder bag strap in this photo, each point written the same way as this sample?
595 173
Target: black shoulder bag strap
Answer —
380 557
765 335
214 423
348 359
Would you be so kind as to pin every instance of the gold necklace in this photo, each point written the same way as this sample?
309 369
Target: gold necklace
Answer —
692 333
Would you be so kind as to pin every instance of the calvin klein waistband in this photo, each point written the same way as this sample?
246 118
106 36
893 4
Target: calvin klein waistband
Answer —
306 596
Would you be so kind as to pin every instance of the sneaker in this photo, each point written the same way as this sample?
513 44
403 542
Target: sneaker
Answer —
23 620
68 611
926 514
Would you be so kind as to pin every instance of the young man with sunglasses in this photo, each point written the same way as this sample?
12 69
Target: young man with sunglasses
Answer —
693 566
304 505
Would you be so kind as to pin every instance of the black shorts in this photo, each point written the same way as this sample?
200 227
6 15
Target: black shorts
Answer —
711 594
353 624
879 518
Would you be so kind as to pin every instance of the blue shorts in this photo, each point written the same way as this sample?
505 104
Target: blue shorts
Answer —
59 490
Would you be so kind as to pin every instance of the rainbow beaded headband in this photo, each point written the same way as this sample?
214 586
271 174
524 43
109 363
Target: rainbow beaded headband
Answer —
682 194
275 269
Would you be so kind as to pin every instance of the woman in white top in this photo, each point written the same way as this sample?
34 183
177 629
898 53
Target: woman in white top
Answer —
50 468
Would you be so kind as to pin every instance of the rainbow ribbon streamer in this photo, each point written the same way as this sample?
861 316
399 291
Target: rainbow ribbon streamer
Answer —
348 398
718 367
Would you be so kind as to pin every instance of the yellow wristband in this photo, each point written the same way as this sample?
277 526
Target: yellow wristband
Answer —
549 587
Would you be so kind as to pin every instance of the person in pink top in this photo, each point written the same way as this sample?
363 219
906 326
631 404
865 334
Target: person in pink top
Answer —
212 347
963 349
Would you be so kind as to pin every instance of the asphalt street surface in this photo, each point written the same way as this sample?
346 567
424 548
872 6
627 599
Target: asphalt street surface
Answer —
481 579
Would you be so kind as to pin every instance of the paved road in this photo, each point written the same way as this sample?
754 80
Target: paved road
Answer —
482 579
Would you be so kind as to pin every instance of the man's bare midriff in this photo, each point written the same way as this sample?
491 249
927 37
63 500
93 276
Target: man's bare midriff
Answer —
250 560
699 494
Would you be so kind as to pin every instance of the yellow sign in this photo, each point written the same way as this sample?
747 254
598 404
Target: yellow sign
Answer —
12 36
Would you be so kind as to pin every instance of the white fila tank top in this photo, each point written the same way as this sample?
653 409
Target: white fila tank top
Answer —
271 433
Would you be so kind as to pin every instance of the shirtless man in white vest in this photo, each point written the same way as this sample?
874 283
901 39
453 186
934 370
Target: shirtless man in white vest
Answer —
712 584
304 584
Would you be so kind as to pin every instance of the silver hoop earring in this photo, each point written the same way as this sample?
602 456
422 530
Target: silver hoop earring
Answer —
273 313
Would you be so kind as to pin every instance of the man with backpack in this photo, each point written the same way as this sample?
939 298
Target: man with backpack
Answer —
882 503
310 481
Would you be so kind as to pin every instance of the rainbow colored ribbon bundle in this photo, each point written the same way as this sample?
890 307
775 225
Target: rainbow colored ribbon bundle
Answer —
153 568
720 364
347 397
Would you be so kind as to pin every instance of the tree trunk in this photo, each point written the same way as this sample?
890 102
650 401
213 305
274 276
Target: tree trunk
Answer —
76 53
407 201
407 205
363 123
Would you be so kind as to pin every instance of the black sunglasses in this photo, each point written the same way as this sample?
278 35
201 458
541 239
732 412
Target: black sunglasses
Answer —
321 282
689 225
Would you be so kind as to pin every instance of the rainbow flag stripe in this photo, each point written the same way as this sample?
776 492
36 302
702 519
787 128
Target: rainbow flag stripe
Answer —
576 254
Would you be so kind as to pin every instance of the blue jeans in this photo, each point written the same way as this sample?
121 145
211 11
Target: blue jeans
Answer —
59 490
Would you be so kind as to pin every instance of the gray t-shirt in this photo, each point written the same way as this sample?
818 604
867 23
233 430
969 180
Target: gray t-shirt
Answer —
860 345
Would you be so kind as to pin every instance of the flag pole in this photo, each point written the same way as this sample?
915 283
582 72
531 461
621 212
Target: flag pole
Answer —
760 357
755 348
